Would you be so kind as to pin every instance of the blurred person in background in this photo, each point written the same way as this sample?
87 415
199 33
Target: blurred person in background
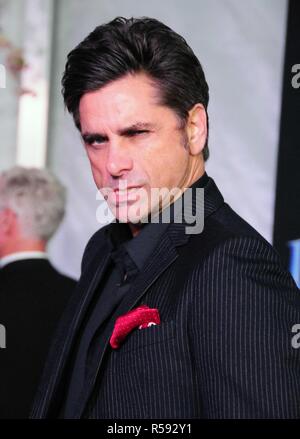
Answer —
33 293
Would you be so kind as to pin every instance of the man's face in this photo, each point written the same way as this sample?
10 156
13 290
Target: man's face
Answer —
132 141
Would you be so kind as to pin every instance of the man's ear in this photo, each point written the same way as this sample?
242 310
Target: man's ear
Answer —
7 220
196 129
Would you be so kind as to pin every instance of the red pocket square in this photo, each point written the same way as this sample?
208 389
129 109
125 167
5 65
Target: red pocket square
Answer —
140 317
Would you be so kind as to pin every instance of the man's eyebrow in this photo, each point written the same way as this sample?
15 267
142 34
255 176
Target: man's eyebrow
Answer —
92 137
138 126
89 137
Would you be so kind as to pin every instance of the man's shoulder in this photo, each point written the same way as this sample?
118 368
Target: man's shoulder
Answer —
227 232
225 221
232 263
222 224
28 277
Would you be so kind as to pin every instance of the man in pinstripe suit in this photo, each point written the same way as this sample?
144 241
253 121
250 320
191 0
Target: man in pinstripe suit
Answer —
223 305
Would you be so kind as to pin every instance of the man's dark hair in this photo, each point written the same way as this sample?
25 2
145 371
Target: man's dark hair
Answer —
135 45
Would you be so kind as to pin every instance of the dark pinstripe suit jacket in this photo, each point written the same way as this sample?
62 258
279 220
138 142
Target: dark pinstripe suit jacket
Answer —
223 349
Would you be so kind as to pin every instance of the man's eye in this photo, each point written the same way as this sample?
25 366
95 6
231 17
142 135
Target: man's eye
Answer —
97 142
136 132
94 144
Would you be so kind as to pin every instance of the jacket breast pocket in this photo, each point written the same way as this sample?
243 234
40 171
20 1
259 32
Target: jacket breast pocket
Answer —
142 338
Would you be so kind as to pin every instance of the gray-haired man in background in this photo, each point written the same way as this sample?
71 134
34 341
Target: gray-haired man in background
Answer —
33 293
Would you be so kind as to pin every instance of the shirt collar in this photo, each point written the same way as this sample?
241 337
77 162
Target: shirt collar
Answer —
19 256
142 245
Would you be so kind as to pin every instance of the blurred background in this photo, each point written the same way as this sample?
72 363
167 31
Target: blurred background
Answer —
251 57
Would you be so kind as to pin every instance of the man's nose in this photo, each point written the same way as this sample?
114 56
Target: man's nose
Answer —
118 160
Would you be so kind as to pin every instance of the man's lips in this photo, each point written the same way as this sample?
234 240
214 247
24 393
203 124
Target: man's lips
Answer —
128 194
117 189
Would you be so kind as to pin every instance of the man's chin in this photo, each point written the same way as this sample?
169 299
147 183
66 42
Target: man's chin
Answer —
125 215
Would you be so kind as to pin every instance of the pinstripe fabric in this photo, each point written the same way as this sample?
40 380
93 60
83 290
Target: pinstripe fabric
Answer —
223 349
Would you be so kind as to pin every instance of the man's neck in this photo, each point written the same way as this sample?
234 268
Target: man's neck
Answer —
135 228
23 245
